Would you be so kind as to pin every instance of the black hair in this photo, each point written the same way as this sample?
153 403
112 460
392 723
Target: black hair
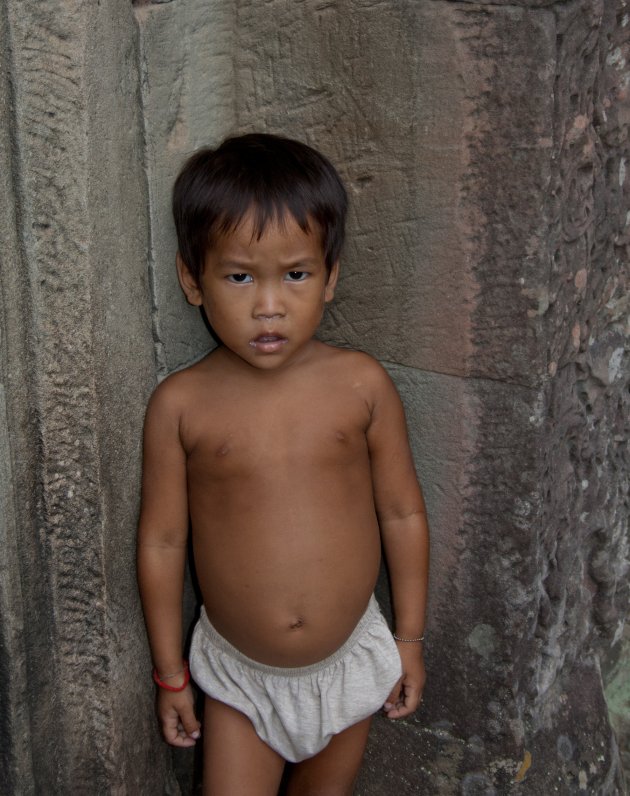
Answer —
266 174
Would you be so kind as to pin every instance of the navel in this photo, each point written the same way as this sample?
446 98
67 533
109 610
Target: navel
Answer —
297 624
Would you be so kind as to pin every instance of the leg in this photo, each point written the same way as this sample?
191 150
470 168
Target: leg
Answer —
334 770
235 761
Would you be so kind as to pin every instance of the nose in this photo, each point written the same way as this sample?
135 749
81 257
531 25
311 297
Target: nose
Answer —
269 302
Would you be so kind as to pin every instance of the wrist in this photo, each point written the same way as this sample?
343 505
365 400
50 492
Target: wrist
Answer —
173 680
409 638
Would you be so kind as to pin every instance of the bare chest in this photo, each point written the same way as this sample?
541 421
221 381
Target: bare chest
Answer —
266 438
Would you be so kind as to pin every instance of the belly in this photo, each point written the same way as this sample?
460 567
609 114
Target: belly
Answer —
288 594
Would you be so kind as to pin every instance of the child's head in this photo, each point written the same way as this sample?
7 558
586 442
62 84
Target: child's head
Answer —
266 175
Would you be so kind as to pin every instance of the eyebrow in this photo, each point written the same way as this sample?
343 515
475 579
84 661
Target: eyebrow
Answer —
234 263
251 263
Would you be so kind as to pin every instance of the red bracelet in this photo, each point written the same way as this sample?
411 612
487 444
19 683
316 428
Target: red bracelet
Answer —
166 686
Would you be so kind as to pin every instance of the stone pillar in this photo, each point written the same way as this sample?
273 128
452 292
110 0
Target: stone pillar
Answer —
77 367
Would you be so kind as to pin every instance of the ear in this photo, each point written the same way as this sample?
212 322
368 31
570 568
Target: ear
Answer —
331 284
188 283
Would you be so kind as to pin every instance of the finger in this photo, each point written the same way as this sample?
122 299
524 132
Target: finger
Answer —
395 696
182 741
407 705
398 712
178 737
175 735
174 732
189 723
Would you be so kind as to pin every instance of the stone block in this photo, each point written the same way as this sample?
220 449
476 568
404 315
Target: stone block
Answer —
514 695
78 366
384 102
438 421
186 56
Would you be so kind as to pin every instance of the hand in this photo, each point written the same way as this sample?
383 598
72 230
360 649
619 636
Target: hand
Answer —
177 718
405 696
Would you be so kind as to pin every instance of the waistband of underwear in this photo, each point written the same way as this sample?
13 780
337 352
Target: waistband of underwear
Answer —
223 644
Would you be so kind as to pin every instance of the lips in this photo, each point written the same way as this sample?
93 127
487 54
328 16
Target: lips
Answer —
268 343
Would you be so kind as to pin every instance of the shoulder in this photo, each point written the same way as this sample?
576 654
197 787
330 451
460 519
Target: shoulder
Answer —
359 363
173 395
366 373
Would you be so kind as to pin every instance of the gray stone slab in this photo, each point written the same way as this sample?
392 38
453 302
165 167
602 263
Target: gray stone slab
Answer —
376 86
78 365
438 422
16 763
188 102
509 679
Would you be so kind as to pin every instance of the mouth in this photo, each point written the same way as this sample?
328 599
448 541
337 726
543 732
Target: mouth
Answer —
268 343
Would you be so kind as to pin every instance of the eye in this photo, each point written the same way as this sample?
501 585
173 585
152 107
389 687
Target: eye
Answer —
239 279
297 276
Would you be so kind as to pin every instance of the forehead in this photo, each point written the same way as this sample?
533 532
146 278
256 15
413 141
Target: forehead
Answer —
281 235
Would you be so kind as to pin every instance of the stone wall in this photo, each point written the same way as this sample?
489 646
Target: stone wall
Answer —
485 148
77 367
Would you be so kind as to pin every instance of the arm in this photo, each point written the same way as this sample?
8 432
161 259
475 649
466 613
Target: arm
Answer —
405 534
162 536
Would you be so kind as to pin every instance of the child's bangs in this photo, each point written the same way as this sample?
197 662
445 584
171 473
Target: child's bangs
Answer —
262 214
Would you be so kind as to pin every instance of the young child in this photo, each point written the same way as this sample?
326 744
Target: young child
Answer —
290 459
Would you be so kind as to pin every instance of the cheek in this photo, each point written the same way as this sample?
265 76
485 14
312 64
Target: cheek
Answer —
230 314
220 317
221 306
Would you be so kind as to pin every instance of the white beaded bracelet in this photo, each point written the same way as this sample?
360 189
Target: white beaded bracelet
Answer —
398 638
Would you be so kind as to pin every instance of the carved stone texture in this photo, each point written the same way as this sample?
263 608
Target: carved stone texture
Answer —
509 4
615 674
77 369
584 590
339 78
373 85
186 54
508 60
439 423
540 587
15 750
480 143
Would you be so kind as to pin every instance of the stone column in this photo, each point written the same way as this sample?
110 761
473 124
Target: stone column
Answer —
77 366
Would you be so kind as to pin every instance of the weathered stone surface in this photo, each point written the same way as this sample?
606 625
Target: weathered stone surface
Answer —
186 55
583 560
439 423
15 748
485 146
384 102
617 693
327 76
508 66
77 368
465 133
541 588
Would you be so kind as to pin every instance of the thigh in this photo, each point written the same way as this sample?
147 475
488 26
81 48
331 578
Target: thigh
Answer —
334 770
235 760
